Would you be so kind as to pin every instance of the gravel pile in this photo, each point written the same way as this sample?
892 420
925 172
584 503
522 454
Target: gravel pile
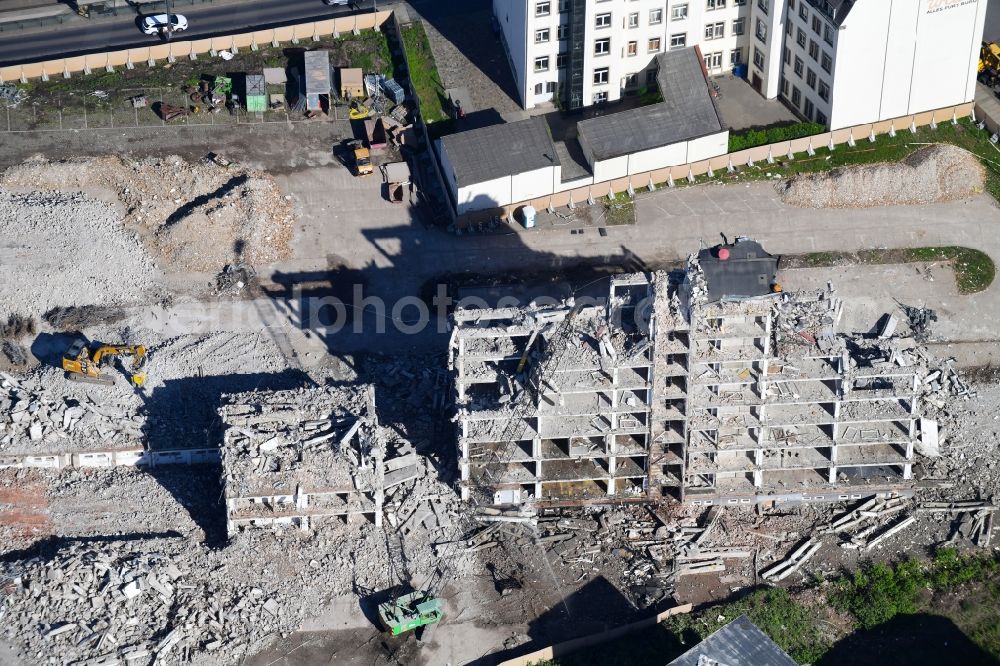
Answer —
937 173
194 216
67 249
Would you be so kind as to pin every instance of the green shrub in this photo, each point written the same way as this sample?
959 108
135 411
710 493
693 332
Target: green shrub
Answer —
753 138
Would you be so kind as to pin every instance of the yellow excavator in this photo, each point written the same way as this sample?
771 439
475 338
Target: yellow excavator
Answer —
84 365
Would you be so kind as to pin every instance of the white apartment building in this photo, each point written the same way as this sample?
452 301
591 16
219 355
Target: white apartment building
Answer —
836 62
599 50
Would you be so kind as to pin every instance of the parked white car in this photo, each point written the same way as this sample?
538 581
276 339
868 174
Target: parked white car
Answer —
152 25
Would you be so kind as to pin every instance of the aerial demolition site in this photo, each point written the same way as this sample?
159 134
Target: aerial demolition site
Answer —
700 430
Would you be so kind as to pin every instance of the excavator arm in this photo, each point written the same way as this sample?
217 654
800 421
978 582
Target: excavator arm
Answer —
83 365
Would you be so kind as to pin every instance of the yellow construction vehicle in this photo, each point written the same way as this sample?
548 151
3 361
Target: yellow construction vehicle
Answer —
84 365
362 159
989 59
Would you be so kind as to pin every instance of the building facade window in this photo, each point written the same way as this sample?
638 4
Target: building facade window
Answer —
563 32
550 87
824 91
803 11
602 21
821 118
543 8
678 41
807 109
817 25
563 6
791 5
679 12
713 60
562 60
539 88
650 77
631 81
600 76
796 97
811 79
739 3
654 45
736 56
800 37
715 30
655 16
632 48
542 64
542 36
814 50
784 87
601 97
826 62
602 46
788 28
758 58
787 56
633 20
798 66
828 34
763 5
761 31
715 4
739 26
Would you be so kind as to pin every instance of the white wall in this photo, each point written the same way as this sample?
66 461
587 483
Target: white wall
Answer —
860 63
948 32
616 167
712 145
897 77
647 160
926 57
512 15
488 194
531 184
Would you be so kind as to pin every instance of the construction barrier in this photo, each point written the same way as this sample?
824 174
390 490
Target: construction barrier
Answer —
561 649
171 51
762 155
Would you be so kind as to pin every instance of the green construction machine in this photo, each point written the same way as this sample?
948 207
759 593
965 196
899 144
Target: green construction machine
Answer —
410 611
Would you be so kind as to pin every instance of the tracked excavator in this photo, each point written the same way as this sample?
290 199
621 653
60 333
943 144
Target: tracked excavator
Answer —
83 364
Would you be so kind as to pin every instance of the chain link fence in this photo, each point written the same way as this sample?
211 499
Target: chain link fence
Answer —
90 111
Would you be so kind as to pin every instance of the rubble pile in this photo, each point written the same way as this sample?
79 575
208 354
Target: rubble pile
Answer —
941 172
808 318
58 252
132 602
194 216
302 435
34 420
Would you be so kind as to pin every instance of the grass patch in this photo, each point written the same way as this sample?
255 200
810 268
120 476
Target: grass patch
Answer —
753 138
790 624
877 593
974 269
621 211
424 76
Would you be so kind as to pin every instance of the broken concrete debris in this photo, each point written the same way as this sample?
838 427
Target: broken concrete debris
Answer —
672 389
305 456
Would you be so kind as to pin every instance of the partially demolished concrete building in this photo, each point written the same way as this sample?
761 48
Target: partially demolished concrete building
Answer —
307 456
708 385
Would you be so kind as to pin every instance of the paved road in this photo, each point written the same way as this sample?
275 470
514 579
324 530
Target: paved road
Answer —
100 34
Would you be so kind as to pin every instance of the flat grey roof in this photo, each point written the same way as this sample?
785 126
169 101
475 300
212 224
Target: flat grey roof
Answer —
500 150
748 271
686 112
739 643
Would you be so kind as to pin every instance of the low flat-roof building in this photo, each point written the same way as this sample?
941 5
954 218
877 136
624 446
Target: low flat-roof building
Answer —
684 127
512 163
497 165
739 643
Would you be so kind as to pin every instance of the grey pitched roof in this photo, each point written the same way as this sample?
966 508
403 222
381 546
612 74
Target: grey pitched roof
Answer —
500 150
739 643
686 112
749 271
